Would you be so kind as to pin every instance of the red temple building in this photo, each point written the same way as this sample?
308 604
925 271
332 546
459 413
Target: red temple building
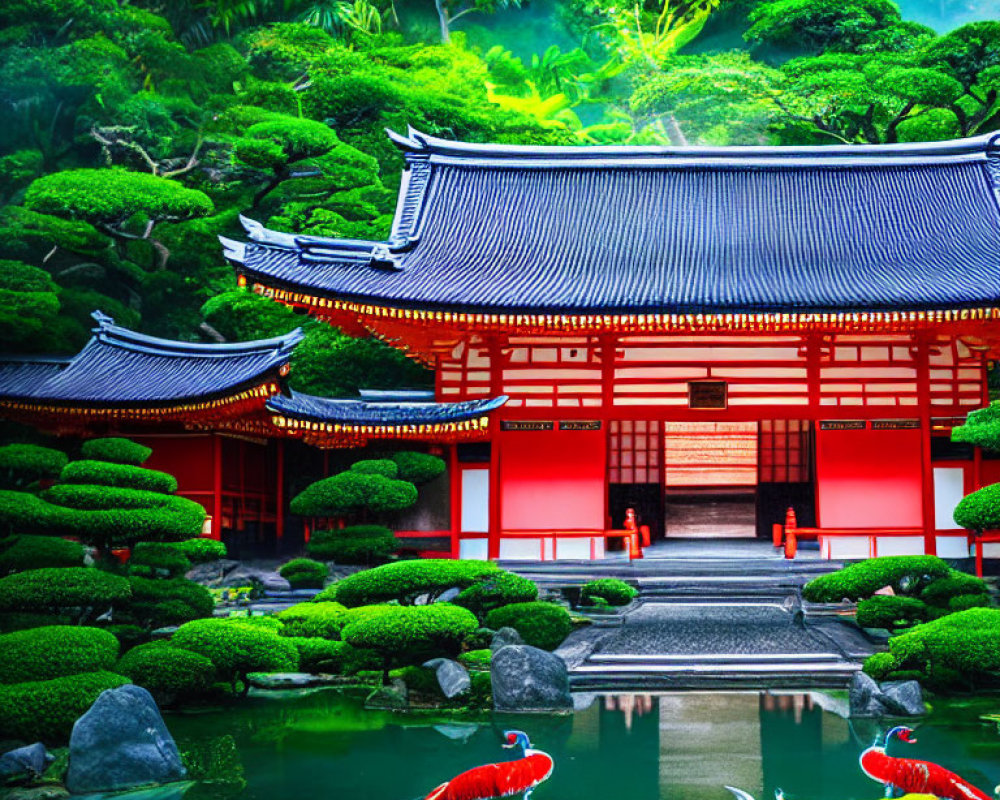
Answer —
707 335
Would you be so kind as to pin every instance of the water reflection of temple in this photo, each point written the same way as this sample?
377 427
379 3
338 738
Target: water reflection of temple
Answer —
759 741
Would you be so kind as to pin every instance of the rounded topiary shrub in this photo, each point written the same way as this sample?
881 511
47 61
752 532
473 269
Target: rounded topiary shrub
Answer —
980 510
376 466
941 591
169 673
237 647
157 560
304 573
156 602
355 544
351 491
115 450
318 619
405 581
122 476
886 611
542 625
864 578
879 665
496 590
418 467
53 589
476 659
20 553
317 655
23 464
46 710
40 654
612 591
201 550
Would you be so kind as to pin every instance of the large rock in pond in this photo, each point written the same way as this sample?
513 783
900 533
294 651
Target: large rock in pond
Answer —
452 677
864 696
30 761
528 679
903 698
122 743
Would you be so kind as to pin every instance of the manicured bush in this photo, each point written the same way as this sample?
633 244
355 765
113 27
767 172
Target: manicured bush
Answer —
123 476
115 450
411 634
941 591
157 603
128 636
304 573
418 468
962 602
476 659
421 683
40 654
376 466
20 553
864 578
612 591
350 492
314 620
88 591
319 655
879 665
169 673
500 589
355 544
883 611
405 581
46 710
201 550
543 625
980 510
237 648
22 464
157 560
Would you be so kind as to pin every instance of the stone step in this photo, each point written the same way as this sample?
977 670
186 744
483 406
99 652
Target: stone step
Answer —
702 675
733 659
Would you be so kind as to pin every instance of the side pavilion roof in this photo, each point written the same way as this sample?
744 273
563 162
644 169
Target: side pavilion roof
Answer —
501 229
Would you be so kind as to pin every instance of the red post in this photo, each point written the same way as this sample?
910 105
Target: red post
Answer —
279 492
979 556
217 487
777 532
455 498
791 541
927 468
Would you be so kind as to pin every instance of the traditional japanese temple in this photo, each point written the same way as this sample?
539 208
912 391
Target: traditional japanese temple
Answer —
707 335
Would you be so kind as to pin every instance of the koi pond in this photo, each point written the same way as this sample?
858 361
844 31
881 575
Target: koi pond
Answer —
323 744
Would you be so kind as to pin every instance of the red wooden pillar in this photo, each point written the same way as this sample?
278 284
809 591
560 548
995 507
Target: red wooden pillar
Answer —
454 498
279 492
216 487
607 351
495 517
927 468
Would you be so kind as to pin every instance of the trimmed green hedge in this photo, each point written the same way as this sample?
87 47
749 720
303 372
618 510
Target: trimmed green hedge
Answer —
201 550
169 673
122 476
543 625
314 620
46 710
353 491
612 591
157 602
476 659
864 578
21 464
157 560
318 655
236 648
406 580
411 634
40 654
495 591
355 544
115 450
54 589
882 611
979 510
304 573
941 591
376 466
20 553
418 468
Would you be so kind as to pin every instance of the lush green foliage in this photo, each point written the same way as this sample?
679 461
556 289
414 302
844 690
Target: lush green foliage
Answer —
612 591
500 589
29 308
201 550
376 466
116 450
40 654
54 589
157 603
355 544
351 492
322 619
103 473
941 591
237 647
980 510
476 659
304 573
405 581
418 468
157 560
319 655
543 625
864 578
169 673
22 464
46 710
20 553
882 611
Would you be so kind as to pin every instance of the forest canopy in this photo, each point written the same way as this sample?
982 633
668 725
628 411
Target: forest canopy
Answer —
137 132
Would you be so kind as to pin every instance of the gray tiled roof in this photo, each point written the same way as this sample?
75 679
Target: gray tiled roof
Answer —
360 412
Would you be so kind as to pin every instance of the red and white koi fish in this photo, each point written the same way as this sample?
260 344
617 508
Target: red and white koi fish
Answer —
503 779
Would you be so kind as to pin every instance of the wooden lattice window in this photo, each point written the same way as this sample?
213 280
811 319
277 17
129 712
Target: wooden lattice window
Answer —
784 451
634 451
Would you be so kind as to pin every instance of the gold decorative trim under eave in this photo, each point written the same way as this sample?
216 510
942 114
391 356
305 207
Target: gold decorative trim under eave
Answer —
471 426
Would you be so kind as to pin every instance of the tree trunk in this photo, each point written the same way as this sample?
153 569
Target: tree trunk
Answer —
674 132
442 13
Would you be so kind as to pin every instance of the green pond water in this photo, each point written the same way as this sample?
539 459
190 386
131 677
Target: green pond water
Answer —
633 747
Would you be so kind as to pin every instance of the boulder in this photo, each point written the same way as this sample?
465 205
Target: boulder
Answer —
528 679
212 572
121 743
505 637
44 792
282 680
391 698
448 595
452 677
29 761
903 698
864 696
